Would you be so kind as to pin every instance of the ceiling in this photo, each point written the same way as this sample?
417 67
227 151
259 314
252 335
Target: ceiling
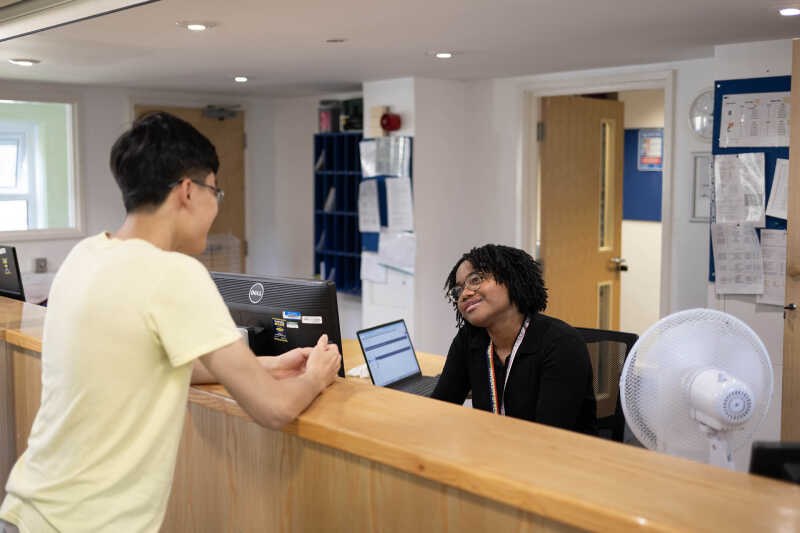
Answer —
280 45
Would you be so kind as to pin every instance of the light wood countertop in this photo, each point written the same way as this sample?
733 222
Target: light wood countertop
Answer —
571 478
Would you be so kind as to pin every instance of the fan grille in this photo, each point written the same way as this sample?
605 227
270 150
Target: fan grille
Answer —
655 380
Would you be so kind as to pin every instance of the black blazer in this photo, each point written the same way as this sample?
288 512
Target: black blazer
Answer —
550 381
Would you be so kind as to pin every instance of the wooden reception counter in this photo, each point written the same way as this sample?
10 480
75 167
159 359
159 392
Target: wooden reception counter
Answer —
363 458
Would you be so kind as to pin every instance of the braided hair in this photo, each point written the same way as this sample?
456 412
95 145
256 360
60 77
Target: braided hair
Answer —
511 267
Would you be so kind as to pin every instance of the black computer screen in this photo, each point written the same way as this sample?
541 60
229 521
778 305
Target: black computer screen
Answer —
779 460
281 313
10 278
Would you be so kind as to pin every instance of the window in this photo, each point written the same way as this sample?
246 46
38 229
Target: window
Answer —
37 185
18 200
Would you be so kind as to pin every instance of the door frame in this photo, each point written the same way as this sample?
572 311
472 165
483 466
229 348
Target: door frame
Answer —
199 100
528 94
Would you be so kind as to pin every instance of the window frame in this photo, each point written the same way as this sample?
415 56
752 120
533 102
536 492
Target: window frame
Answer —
24 132
77 215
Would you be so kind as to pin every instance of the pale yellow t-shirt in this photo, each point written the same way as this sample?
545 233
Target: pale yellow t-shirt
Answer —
125 319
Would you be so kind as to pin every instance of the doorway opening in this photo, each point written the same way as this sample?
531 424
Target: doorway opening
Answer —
600 181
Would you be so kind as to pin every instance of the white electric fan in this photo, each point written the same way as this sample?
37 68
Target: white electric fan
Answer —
697 384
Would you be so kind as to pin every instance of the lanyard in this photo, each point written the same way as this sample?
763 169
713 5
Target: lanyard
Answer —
490 359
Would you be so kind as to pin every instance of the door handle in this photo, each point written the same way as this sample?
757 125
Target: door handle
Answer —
790 307
619 264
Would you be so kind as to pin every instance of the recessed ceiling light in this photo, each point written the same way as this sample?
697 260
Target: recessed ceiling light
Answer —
790 12
24 62
196 25
240 79
443 55
335 40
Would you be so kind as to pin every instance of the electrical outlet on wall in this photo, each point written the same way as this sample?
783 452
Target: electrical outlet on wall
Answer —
40 265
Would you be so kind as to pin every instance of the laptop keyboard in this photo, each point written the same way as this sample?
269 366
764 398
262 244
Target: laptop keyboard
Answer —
423 387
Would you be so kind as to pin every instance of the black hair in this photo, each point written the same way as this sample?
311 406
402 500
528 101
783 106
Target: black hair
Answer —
511 267
158 150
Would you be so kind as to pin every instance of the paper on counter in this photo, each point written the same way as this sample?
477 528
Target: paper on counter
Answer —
399 204
359 371
737 259
773 252
778 195
369 218
371 270
739 188
397 250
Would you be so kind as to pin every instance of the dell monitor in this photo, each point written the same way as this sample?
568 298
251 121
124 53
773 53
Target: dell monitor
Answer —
10 277
281 313
778 460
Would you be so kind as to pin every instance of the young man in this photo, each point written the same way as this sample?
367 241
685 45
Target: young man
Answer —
131 319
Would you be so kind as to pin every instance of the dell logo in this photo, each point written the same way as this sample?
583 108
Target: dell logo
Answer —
256 293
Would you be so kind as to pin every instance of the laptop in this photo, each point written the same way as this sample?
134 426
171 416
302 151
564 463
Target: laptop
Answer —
391 360
10 277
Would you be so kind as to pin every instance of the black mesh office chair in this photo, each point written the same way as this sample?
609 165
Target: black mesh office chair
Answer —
608 350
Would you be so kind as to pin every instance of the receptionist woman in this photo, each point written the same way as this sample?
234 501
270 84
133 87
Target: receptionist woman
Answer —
515 360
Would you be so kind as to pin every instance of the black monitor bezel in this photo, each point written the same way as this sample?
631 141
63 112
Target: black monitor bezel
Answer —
327 286
9 294
769 459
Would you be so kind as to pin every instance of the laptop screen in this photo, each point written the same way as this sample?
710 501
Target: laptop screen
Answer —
389 354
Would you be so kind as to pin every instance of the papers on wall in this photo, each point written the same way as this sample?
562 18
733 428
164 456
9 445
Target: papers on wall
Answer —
330 201
756 119
371 270
399 204
773 252
397 250
369 218
386 156
737 259
778 195
739 188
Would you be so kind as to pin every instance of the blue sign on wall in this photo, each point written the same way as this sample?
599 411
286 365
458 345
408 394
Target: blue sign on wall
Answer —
651 150
641 190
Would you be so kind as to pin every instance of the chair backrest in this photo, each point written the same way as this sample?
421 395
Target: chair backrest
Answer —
608 350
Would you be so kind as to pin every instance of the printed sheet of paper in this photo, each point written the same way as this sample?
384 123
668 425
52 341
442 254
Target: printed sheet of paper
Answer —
778 195
773 252
369 163
757 119
739 189
737 259
397 250
369 217
399 204
386 156
371 270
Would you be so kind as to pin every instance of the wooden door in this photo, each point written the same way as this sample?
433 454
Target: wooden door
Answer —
581 208
790 394
226 248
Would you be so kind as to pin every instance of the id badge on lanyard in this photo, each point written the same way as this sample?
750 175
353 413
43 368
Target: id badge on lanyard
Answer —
490 360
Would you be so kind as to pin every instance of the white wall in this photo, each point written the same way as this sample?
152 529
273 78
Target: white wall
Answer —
640 288
280 194
751 60
449 205
395 298
463 134
643 108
